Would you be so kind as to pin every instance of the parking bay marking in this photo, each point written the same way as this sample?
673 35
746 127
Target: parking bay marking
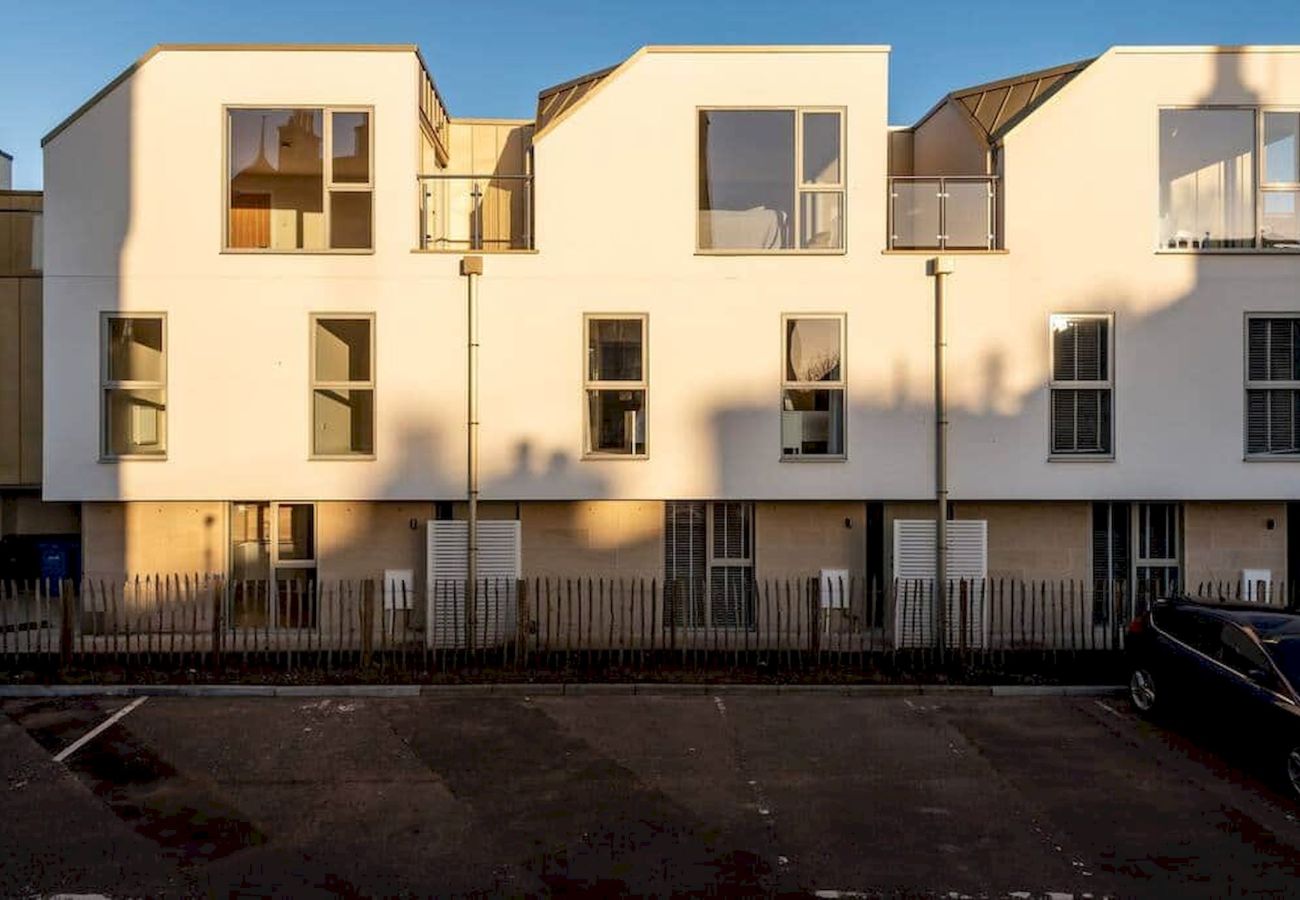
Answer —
93 733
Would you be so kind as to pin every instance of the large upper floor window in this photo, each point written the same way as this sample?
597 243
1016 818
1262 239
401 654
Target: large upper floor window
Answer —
771 180
133 386
1273 386
1082 385
812 387
1229 179
299 179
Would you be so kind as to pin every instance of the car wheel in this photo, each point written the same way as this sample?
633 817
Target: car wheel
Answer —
1142 691
1293 770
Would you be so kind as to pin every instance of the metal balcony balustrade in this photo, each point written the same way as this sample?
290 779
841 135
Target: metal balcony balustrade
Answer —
943 212
476 212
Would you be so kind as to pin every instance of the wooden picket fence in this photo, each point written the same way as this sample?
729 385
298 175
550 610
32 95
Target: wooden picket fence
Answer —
543 626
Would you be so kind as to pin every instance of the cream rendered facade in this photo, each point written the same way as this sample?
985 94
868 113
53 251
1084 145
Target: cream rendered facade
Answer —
135 212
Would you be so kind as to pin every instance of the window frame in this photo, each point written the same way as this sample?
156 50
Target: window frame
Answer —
1053 385
1267 385
328 185
712 563
589 385
800 186
314 384
842 385
1260 188
107 384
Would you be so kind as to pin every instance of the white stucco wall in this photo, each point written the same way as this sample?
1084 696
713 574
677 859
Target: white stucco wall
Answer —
134 216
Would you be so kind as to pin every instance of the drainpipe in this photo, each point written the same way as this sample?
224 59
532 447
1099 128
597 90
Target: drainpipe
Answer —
939 268
472 268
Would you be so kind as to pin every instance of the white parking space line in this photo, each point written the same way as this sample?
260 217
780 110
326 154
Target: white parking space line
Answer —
1110 709
97 730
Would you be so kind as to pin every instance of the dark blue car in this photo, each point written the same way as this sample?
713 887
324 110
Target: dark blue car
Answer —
1234 664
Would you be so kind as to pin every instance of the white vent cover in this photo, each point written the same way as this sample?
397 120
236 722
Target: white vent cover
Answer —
834 589
914 577
397 588
498 574
1255 585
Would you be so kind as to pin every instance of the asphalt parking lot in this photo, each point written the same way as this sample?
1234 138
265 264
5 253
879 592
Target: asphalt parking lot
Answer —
745 793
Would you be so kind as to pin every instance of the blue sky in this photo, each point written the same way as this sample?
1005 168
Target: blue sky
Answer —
490 57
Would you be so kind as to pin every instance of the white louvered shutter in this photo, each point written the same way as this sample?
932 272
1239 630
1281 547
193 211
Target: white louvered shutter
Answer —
498 574
914 576
1273 385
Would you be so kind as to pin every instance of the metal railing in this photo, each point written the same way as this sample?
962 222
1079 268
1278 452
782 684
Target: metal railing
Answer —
943 212
476 212
551 626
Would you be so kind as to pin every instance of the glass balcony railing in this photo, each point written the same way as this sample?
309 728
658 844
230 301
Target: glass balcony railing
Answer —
476 212
943 213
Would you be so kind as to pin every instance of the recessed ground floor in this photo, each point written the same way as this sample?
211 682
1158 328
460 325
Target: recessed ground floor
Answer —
1236 545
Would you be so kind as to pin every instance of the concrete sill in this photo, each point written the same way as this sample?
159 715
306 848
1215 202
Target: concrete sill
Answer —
435 252
933 252
816 458
614 457
1272 458
236 251
344 457
1081 458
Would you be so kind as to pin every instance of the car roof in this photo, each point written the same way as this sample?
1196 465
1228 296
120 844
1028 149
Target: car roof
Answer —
1265 621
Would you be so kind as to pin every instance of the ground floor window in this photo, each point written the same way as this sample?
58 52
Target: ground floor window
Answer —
709 564
273 565
1136 553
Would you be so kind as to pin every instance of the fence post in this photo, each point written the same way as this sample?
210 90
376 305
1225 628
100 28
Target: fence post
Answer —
218 607
367 626
65 623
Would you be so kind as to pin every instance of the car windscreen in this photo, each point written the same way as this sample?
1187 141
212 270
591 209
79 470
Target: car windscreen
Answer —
1286 654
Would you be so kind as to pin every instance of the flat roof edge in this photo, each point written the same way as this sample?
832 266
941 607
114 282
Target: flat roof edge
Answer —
767 48
1206 48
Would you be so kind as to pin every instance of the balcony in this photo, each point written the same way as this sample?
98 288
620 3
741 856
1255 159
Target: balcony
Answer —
488 213
943 213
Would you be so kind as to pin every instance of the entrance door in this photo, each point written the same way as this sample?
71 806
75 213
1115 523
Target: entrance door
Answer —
273 565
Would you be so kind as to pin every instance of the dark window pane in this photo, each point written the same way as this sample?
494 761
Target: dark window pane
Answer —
821 148
135 422
351 137
812 423
344 422
616 421
297 532
614 349
135 349
747 179
350 220
343 350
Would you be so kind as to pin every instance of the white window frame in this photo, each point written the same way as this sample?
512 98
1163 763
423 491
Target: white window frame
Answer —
108 385
841 385
1054 385
590 385
712 565
1264 385
1141 515
1261 187
801 187
328 185
315 384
